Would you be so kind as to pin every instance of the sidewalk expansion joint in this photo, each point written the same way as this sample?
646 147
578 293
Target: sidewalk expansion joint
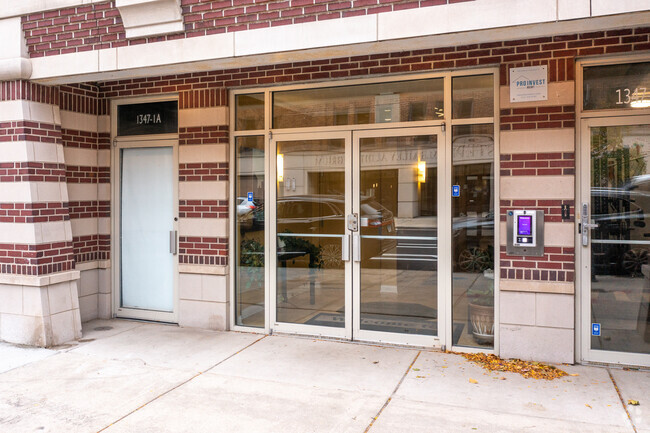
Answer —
181 384
620 397
390 397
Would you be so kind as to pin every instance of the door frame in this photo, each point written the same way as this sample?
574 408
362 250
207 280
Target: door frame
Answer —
294 328
583 258
443 234
139 141
447 121
352 269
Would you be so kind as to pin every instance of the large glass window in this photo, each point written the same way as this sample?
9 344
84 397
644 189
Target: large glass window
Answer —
404 101
473 235
473 96
310 222
249 112
616 86
249 231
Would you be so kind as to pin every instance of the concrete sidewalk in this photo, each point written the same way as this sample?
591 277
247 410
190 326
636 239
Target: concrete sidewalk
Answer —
129 376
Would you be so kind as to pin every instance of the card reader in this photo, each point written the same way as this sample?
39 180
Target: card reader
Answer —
525 223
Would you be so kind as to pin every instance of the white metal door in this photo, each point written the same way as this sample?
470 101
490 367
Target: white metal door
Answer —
146 224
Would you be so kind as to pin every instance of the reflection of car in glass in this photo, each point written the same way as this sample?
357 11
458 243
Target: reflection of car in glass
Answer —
621 215
246 212
477 234
325 215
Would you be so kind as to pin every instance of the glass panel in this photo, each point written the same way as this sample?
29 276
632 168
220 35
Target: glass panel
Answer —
405 101
473 236
310 227
147 215
617 86
620 205
249 231
473 96
398 228
249 112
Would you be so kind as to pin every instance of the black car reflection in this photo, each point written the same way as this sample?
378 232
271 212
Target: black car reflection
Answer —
315 224
473 242
618 240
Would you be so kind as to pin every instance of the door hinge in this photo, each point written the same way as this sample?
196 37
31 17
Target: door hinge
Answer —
444 126
115 142
270 135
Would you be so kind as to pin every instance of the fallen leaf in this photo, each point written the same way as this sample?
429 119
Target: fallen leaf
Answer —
416 369
444 366
574 374
633 402
588 406
473 380
530 370
420 377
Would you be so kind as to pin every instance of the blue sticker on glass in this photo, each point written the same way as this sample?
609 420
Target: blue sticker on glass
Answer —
595 329
250 196
455 191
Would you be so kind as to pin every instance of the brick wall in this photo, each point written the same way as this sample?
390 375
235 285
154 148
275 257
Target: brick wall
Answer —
40 259
203 250
33 212
538 164
537 117
21 130
99 25
24 90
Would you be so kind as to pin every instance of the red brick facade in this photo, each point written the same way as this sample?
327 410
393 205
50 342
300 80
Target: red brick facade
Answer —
33 212
203 250
538 164
557 264
99 25
102 29
538 118
40 259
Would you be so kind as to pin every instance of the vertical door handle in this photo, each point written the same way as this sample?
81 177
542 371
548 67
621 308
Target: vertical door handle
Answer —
585 225
356 248
345 248
173 236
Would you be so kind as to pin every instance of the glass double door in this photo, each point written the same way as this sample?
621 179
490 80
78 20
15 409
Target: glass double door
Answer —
355 223
615 240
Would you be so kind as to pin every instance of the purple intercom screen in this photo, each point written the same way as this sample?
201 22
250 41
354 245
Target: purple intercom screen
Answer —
524 223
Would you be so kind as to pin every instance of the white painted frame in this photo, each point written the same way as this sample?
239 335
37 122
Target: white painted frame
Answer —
587 353
444 199
139 141
292 328
584 121
444 240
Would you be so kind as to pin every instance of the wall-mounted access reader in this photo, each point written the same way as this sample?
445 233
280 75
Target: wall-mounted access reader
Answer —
525 233
524 228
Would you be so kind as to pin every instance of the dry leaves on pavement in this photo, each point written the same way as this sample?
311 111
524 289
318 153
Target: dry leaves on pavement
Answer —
528 369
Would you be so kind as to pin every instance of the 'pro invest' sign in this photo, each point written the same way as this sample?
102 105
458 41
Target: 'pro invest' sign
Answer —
528 84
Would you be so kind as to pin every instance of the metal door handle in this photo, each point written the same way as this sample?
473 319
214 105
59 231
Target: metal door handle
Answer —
173 236
356 248
585 225
345 248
